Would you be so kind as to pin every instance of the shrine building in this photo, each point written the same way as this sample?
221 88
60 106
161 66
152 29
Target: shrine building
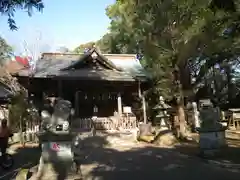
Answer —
102 85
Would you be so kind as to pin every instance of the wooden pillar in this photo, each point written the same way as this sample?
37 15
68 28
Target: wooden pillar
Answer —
59 88
144 109
119 103
76 103
141 95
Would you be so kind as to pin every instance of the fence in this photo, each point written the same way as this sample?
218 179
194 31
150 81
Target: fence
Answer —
104 123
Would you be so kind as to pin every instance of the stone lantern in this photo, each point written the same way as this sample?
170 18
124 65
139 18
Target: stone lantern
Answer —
162 115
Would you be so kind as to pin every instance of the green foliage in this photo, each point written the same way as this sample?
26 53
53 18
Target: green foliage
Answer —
181 40
18 110
5 51
9 8
80 49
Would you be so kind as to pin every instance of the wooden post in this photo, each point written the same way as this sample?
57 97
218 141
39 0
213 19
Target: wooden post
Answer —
144 109
76 103
143 103
119 101
59 88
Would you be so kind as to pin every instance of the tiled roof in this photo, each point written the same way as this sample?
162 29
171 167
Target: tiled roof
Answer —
127 62
51 64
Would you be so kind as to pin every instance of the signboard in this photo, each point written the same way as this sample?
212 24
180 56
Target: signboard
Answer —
127 109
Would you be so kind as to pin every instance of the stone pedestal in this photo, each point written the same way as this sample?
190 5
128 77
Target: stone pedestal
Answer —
65 144
56 151
211 141
145 129
211 133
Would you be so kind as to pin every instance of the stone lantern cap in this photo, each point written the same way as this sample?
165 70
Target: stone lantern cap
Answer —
161 105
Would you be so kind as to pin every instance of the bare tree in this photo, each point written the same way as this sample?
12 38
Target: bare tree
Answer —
35 47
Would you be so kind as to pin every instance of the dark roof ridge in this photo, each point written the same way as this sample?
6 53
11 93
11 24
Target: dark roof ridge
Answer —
89 53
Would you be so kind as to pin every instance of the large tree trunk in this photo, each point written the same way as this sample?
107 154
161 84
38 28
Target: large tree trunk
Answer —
181 121
184 77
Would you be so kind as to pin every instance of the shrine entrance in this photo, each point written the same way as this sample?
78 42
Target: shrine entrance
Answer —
89 104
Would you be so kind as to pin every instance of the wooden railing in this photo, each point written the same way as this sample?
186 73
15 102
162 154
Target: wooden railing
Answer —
105 123
127 122
81 124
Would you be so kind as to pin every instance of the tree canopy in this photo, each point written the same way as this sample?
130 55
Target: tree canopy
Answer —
9 7
182 42
5 51
179 39
190 47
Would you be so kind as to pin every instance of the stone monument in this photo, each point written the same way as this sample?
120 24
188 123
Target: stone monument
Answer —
211 132
56 139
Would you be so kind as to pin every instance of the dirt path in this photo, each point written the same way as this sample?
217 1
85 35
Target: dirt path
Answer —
119 156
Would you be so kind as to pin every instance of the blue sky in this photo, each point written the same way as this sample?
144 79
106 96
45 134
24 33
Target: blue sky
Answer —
63 23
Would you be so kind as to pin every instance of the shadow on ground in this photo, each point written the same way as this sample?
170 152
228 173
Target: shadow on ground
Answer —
141 161
24 157
144 161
